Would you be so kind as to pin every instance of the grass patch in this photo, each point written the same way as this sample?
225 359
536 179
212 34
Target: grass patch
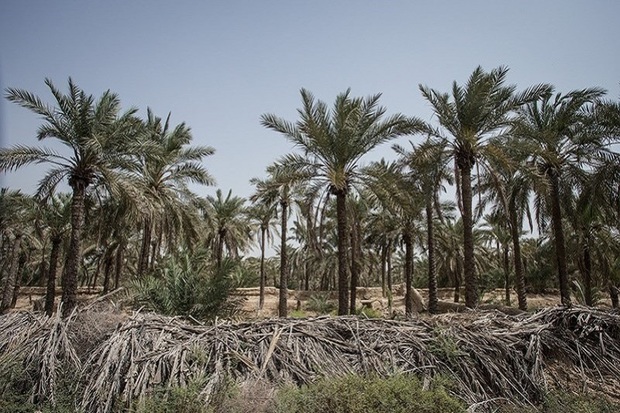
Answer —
358 394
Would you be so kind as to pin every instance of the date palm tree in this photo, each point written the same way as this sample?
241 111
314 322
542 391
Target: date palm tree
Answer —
97 136
276 191
163 175
428 164
229 222
16 211
331 142
469 117
262 215
560 137
56 216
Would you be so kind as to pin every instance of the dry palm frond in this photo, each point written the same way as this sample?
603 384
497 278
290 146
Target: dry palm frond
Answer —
489 355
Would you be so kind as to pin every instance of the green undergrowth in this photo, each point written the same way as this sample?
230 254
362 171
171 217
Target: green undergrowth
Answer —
353 394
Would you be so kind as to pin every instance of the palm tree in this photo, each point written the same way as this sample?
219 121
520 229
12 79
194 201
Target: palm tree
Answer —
98 140
475 112
163 175
507 188
262 215
428 166
559 135
276 190
228 220
56 216
332 143
15 217
397 191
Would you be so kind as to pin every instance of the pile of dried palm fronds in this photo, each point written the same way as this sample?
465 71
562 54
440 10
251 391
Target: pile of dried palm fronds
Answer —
488 354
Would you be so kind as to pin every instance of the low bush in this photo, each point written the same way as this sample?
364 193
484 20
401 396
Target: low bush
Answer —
186 286
357 394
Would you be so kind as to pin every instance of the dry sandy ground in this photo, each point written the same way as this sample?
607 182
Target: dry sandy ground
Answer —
298 300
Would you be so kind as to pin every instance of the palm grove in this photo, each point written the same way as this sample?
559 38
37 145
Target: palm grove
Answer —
505 188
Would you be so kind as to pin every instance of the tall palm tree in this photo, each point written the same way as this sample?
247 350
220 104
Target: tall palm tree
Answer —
262 214
163 175
507 189
559 135
428 165
276 190
332 143
98 138
475 112
398 192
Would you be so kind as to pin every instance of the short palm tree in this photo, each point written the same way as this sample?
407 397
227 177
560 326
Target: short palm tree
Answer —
98 138
332 142
474 113
229 222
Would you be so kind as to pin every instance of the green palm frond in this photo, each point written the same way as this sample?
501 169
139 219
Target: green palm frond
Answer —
20 155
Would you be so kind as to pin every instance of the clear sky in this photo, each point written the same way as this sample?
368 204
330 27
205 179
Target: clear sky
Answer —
219 65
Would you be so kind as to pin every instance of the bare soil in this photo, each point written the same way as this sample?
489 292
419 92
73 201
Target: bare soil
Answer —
32 298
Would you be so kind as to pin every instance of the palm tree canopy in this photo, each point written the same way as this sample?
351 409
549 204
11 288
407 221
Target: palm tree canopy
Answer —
94 131
482 108
333 141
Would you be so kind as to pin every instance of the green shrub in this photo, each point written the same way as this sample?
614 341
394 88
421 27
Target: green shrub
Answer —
357 394
369 312
187 286
320 303
173 400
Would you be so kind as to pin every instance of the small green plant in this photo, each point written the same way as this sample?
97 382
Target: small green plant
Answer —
445 345
298 314
320 303
358 394
369 312
186 286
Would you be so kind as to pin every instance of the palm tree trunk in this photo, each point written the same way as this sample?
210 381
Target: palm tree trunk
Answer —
119 264
50 295
283 296
70 274
558 236
107 270
471 282
11 278
383 265
23 259
389 267
458 277
261 294
341 216
354 268
432 274
43 267
143 261
587 273
506 265
408 272
516 246
220 246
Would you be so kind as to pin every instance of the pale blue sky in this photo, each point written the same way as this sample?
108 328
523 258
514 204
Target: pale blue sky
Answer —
219 65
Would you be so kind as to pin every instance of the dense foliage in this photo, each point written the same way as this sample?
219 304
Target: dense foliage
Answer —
513 189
